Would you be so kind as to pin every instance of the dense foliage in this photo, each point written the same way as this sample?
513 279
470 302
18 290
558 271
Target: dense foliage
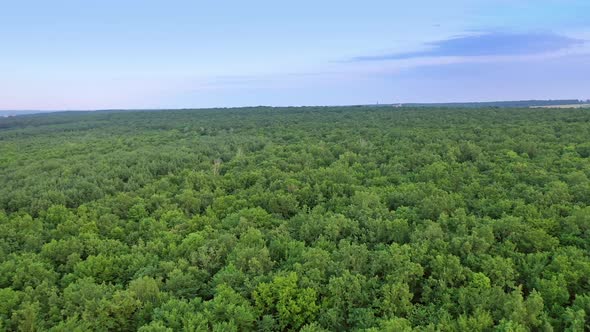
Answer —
356 218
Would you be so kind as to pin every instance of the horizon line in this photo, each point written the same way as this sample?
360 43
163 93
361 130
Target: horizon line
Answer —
578 100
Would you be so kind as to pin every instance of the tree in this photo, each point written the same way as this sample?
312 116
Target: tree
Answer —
293 307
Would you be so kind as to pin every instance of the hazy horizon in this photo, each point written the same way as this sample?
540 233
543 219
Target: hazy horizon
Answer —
65 55
581 102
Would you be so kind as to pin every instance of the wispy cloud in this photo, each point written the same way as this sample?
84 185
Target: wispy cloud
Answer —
488 44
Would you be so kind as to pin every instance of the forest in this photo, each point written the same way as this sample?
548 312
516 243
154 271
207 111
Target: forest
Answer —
296 219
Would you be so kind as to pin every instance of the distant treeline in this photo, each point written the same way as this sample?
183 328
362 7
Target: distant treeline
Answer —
514 103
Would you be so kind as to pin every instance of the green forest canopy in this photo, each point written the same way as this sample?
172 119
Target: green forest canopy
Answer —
312 219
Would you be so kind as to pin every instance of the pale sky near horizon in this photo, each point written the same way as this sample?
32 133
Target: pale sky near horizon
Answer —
176 54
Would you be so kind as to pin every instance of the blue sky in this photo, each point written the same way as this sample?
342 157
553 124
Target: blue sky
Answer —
171 54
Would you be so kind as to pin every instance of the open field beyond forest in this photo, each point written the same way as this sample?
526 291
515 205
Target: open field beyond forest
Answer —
565 106
314 218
